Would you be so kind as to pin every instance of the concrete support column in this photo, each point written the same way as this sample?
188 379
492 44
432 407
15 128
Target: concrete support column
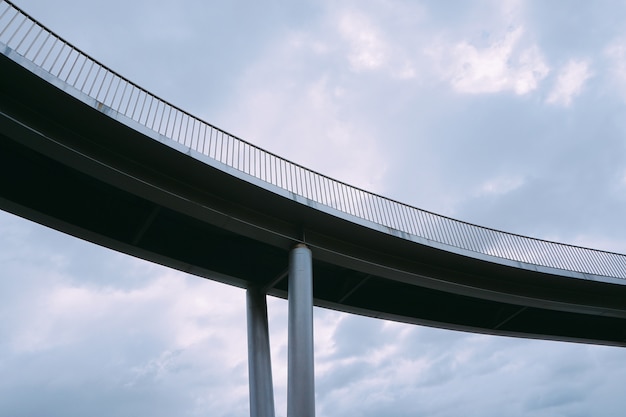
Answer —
259 358
300 377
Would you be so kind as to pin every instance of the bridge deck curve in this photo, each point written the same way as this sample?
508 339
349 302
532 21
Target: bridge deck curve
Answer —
70 163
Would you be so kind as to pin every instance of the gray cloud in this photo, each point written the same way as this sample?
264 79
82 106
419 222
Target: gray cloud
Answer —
419 101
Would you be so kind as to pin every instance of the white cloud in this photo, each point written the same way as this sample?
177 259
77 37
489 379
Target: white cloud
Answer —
67 313
308 116
501 185
570 82
316 135
368 50
370 46
616 53
504 65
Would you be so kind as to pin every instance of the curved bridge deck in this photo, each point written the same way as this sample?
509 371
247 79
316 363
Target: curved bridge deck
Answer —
76 156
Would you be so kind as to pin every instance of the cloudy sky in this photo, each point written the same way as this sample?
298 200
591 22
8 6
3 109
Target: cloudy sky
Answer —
508 114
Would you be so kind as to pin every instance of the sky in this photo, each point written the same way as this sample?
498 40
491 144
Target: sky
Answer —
507 114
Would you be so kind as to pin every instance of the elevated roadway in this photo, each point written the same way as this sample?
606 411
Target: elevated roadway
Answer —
70 161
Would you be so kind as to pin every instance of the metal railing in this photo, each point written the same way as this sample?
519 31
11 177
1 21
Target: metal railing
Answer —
36 43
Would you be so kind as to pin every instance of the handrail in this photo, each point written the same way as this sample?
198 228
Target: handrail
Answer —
38 44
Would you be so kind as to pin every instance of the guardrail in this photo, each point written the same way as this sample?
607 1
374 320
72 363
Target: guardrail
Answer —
38 44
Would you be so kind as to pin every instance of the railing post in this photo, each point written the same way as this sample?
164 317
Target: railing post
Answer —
259 360
300 376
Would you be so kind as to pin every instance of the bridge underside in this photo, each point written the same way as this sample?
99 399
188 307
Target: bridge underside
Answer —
70 167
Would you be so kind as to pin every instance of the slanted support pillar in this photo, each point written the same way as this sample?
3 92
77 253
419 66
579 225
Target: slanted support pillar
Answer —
259 359
300 377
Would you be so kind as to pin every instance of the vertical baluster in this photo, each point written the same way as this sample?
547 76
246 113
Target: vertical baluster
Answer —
19 45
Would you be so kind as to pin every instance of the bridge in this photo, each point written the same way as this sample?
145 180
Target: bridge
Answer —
88 152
